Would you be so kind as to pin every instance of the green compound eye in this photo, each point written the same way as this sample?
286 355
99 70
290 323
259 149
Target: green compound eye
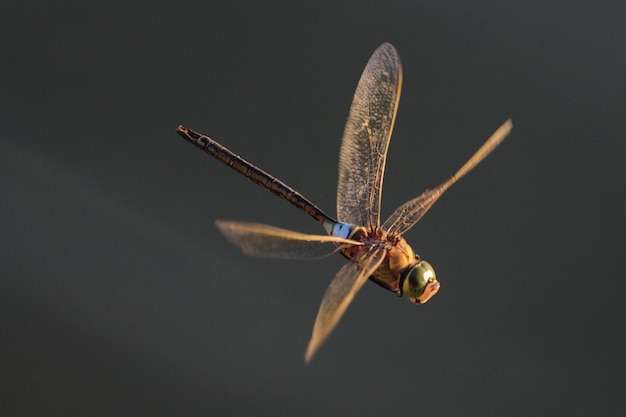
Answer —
421 282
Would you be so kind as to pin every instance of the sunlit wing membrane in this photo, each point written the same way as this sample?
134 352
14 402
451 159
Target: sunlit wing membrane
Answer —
339 295
366 139
268 241
405 216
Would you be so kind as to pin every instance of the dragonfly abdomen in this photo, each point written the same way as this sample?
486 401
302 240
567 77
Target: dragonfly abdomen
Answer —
338 229
254 174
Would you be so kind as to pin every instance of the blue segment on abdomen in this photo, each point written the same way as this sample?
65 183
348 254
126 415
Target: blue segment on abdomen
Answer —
342 230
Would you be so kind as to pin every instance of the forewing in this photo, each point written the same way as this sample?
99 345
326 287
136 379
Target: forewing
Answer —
268 241
339 295
366 139
405 216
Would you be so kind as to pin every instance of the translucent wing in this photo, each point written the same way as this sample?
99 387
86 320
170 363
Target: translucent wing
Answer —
340 293
267 241
366 139
412 211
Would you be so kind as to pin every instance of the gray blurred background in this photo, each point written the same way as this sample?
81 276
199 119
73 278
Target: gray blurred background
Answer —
118 296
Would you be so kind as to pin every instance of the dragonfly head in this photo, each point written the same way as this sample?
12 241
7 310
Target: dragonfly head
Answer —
420 283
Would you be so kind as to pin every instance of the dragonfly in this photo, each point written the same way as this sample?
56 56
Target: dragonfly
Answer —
375 251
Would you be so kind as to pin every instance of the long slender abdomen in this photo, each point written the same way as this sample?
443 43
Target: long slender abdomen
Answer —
256 175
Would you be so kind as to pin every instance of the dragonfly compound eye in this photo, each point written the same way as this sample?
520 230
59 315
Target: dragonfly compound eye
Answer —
421 282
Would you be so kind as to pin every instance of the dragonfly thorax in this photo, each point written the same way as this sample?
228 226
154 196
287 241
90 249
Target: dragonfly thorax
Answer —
402 271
